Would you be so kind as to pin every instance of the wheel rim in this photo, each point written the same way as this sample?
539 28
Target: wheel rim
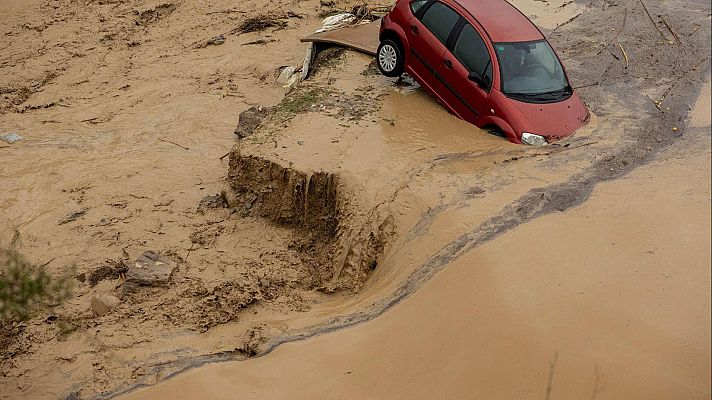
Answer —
387 58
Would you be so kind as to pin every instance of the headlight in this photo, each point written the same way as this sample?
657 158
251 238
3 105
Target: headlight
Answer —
532 139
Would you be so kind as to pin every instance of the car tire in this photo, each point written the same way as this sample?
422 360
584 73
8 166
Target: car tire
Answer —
495 131
390 58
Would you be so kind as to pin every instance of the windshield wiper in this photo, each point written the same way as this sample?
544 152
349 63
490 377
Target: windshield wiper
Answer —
565 90
545 96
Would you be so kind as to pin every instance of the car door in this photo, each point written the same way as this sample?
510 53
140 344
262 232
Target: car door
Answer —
468 53
429 30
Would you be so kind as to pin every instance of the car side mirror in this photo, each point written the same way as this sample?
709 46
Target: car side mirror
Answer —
475 76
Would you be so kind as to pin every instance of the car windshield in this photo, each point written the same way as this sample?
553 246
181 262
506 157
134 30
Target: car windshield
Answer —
532 72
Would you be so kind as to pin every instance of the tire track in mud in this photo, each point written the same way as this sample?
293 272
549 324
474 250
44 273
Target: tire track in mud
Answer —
684 63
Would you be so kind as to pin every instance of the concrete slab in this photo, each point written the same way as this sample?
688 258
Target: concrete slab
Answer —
363 37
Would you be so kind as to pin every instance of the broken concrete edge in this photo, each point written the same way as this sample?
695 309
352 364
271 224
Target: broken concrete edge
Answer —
320 40
336 42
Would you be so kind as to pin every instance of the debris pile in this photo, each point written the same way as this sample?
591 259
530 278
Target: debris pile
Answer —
216 201
290 76
258 23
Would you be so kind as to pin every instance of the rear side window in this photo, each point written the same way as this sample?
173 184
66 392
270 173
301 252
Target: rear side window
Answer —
440 19
472 52
416 4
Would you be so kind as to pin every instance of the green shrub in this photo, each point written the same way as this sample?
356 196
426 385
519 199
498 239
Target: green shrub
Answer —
24 287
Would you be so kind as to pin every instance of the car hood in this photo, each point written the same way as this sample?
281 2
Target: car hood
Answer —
555 120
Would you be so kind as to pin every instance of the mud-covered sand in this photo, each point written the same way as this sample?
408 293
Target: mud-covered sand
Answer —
128 113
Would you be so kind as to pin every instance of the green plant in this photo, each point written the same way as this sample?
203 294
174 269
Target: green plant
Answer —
301 101
23 286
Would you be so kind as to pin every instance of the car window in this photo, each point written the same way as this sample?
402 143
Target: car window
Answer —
531 70
416 4
440 19
472 52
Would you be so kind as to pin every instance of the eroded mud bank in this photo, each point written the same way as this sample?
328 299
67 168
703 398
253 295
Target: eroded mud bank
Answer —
312 203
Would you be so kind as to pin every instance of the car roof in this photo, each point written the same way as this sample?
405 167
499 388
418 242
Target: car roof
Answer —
502 21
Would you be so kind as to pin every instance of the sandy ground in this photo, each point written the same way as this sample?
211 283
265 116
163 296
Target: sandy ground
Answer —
127 113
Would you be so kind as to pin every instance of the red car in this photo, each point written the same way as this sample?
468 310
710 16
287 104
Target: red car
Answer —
485 62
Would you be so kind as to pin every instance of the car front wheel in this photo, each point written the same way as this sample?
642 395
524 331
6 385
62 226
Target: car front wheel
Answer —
389 58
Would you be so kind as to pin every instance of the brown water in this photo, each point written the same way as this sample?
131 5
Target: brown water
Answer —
609 300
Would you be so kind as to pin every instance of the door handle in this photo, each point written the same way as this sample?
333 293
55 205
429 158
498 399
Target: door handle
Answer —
448 64
414 29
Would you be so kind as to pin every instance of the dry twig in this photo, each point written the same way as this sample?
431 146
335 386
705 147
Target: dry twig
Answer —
697 27
615 37
657 104
672 32
566 22
651 19
225 12
168 141
625 56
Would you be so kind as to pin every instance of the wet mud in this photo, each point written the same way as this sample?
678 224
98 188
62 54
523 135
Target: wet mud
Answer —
346 197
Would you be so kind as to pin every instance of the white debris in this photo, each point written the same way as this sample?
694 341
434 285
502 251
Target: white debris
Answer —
11 138
285 74
291 76
337 21
308 60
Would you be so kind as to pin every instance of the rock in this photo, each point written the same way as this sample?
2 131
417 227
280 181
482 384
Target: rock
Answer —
217 201
150 269
102 303
10 138
217 40
249 120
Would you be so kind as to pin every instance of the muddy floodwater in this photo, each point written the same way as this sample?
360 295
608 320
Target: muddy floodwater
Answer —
346 237
607 301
